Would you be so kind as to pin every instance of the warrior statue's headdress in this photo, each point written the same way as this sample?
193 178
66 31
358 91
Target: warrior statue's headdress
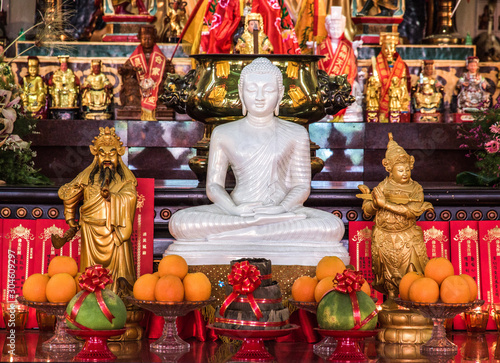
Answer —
107 137
395 154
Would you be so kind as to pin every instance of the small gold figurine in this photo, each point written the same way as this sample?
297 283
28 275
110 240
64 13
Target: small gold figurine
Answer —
372 94
427 94
245 44
34 91
64 85
97 94
107 189
398 243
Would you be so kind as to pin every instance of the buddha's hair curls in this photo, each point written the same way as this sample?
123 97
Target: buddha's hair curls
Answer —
261 66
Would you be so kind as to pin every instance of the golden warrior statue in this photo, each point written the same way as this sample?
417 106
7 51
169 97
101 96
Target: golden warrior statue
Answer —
108 190
97 94
245 43
34 91
398 243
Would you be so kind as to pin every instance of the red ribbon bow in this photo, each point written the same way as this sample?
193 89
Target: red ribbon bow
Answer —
93 280
350 282
244 278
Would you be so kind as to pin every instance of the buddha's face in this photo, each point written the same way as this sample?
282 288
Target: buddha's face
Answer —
64 66
260 93
401 173
108 157
33 69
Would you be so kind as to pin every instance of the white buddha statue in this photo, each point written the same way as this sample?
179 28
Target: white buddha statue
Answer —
264 215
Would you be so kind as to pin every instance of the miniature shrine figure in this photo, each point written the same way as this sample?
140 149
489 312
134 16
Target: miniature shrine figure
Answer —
270 159
384 8
97 94
398 245
427 97
245 44
395 95
64 86
107 189
388 65
34 91
150 66
372 97
174 21
120 7
338 52
472 89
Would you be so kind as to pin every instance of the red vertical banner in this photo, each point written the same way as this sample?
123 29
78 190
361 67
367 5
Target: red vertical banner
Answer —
17 259
143 235
360 243
465 256
489 248
436 238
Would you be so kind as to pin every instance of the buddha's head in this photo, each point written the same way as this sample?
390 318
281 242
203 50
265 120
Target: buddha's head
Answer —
33 66
397 162
335 22
261 88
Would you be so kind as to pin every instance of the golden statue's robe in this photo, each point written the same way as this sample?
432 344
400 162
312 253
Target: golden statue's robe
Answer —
397 242
106 226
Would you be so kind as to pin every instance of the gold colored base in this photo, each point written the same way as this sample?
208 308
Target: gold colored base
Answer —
98 115
132 325
391 352
403 327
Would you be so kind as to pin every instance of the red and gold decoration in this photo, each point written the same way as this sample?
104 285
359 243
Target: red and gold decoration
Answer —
244 278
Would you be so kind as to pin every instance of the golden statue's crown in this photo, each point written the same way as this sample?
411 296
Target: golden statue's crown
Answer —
95 61
107 137
254 16
33 61
63 58
389 37
395 154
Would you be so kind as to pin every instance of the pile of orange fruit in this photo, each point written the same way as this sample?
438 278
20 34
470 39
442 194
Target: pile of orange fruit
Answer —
59 285
438 284
312 289
172 282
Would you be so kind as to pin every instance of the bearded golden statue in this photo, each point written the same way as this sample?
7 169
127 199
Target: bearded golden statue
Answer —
398 245
245 44
34 91
107 189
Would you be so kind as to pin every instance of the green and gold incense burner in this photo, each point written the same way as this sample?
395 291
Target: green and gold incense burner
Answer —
209 94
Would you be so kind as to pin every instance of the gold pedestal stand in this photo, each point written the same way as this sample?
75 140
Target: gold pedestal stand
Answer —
134 330
403 326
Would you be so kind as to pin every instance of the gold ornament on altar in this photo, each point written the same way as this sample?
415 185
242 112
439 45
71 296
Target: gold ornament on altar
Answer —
246 43
107 190
396 203
34 91
427 95
64 85
97 94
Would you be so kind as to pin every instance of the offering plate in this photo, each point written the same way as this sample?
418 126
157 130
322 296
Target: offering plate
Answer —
439 344
170 310
325 347
61 341
348 349
253 349
96 345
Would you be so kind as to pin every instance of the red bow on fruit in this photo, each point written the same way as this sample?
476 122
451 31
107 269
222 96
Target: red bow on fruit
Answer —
350 282
93 280
244 278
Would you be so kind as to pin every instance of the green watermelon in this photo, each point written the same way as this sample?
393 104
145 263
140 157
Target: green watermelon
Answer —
91 316
335 311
